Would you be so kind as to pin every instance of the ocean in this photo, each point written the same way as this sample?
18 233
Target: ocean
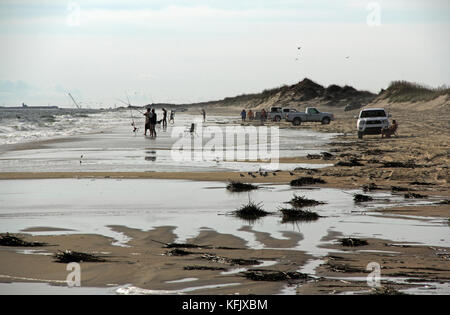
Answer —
25 125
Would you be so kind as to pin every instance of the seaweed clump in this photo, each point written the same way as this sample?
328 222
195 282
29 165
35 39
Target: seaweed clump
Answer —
182 245
251 211
386 291
350 163
370 187
307 181
69 256
398 188
301 201
230 261
292 215
413 195
269 275
353 242
361 198
178 252
399 164
235 186
204 268
10 240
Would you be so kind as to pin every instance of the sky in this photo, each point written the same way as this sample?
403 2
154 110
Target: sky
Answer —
183 51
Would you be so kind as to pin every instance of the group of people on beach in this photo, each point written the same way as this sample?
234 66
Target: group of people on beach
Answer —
151 120
251 115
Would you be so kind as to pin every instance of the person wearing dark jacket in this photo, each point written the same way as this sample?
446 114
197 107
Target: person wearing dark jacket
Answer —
153 121
147 122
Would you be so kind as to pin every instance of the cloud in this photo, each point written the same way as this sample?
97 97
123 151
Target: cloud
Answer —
10 87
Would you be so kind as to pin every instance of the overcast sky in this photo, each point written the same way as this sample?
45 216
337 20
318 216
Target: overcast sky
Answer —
197 50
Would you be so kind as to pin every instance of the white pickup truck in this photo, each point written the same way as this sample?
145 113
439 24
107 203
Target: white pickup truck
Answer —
279 113
371 121
310 114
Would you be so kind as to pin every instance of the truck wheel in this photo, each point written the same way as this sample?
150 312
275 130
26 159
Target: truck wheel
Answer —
297 121
325 121
277 118
360 134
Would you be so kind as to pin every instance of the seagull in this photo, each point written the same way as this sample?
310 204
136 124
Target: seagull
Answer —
292 174
274 174
347 57
241 175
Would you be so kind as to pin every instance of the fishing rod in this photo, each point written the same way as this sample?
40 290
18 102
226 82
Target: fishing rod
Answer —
132 123
135 129
130 106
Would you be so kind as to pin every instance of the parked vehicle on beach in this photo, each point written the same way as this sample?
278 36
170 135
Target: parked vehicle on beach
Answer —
371 121
310 114
279 113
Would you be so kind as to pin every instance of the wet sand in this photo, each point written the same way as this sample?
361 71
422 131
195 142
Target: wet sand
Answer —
144 262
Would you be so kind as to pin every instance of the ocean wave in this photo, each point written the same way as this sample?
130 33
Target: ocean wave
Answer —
18 126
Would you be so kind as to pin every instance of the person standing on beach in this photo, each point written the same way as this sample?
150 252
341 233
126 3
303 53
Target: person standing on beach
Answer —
204 114
147 115
243 115
164 120
250 115
153 124
172 116
263 115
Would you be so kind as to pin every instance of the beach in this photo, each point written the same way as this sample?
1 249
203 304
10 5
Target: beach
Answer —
122 196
